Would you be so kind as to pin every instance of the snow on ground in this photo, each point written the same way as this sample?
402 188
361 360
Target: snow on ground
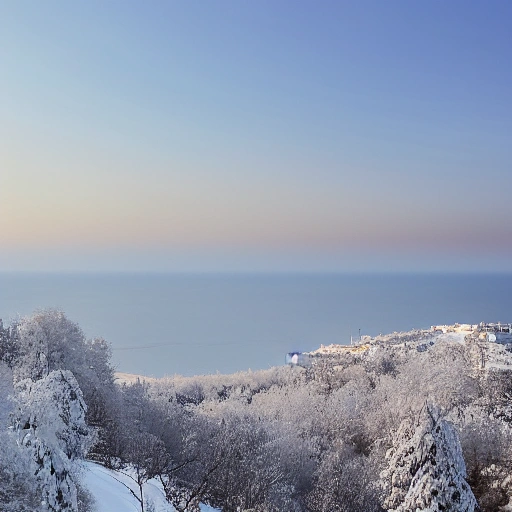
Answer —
496 356
457 337
112 491
131 378
454 334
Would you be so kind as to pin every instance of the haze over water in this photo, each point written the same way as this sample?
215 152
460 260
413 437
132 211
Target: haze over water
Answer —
194 324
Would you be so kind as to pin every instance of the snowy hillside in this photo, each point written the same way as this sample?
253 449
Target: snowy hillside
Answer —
116 491
420 420
488 351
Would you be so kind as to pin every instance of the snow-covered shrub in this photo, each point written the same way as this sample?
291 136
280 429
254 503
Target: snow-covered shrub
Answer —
85 499
486 446
345 481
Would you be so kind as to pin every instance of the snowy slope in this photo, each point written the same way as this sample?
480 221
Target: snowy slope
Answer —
111 491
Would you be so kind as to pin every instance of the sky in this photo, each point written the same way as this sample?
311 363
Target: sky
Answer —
255 136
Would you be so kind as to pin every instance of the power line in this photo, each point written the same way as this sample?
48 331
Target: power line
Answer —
176 344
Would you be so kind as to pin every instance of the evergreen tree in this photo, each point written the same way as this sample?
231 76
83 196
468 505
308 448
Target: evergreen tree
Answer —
50 423
426 469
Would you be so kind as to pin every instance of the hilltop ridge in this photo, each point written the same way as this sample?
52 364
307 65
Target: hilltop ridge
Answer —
490 344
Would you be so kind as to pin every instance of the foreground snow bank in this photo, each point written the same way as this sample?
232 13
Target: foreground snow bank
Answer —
112 491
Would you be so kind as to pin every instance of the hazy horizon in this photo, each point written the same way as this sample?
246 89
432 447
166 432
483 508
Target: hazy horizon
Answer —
195 324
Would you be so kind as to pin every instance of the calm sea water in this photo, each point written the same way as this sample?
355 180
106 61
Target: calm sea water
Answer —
194 324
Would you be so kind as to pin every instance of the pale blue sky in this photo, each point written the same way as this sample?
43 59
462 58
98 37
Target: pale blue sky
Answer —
218 136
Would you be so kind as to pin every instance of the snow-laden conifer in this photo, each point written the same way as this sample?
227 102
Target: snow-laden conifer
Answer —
426 470
50 424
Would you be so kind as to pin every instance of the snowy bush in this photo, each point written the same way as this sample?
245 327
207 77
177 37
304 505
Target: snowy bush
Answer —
345 481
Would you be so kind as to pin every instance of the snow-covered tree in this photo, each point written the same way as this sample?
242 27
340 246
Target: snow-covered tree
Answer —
6 390
19 488
50 424
9 343
48 341
426 469
146 454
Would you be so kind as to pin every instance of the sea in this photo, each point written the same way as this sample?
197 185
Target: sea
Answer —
193 324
